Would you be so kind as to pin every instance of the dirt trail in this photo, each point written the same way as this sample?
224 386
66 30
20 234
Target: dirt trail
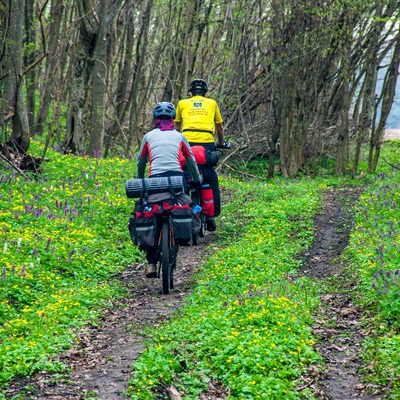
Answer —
338 321
101 366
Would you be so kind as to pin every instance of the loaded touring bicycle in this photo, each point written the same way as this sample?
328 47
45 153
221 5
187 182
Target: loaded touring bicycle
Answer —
162 221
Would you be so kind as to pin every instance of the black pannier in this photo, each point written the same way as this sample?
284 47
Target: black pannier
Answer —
182 224
143 225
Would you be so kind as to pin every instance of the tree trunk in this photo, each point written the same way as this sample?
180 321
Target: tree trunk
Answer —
51 85
138 81
81 70
28 59
364 121
100 77
387 98
124 86
20 135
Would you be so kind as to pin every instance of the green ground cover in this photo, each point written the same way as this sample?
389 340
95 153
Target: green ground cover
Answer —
247 322
374 251
60 243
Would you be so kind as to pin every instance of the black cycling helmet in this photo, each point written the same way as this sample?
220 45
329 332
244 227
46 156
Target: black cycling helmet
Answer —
198 86
164 109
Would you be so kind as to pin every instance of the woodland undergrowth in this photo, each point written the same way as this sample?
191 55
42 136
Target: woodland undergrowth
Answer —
247 325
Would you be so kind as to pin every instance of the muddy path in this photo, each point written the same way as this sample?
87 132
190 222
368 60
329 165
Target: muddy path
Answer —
340 326
101 364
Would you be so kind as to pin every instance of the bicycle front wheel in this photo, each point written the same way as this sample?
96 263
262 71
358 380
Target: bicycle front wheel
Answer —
166 244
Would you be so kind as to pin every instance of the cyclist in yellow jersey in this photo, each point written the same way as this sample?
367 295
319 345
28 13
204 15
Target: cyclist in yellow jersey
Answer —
199 118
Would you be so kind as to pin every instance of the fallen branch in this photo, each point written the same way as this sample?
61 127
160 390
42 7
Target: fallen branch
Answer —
8 117
393 166
15 167
245 173
232 152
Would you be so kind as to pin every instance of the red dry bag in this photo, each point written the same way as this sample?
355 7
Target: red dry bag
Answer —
207 201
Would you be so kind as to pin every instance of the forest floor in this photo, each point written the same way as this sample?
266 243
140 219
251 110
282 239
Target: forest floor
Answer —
101 364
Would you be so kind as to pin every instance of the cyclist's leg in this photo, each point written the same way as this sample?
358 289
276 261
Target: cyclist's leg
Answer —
151 269
152 257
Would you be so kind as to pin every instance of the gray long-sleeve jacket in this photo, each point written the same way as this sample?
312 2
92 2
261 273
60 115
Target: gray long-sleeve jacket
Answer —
161 149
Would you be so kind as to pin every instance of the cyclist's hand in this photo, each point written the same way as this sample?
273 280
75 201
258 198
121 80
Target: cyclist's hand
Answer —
225 145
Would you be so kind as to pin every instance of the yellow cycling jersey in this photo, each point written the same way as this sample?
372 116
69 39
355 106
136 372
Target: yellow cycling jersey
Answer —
198 116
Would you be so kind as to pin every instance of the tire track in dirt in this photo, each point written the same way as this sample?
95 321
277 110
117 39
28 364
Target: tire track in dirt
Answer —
339 322
101 364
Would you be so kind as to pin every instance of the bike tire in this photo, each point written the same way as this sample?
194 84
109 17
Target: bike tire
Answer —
202 231
172 255
166 258
196 238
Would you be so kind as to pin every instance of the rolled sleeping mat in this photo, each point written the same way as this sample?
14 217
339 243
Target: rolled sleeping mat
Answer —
136 187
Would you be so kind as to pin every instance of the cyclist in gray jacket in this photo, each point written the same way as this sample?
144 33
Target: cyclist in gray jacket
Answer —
161 148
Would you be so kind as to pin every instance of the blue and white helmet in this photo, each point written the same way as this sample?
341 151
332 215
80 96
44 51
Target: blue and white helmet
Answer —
164 109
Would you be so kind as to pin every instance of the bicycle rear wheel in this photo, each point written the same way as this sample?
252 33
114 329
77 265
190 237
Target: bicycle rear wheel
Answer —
166 254
196 237
202 231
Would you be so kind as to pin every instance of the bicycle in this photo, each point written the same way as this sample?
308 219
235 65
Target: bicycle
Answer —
154 223
198 198
195 195
167 251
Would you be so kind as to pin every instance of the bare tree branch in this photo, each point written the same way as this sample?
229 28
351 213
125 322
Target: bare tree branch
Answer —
15 167
392 165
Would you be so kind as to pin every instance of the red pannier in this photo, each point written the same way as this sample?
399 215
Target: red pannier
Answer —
199 153
207 200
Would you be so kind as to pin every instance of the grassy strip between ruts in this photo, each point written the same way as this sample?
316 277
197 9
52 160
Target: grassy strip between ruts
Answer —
246 324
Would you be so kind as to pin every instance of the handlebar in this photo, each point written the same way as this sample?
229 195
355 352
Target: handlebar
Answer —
225 145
